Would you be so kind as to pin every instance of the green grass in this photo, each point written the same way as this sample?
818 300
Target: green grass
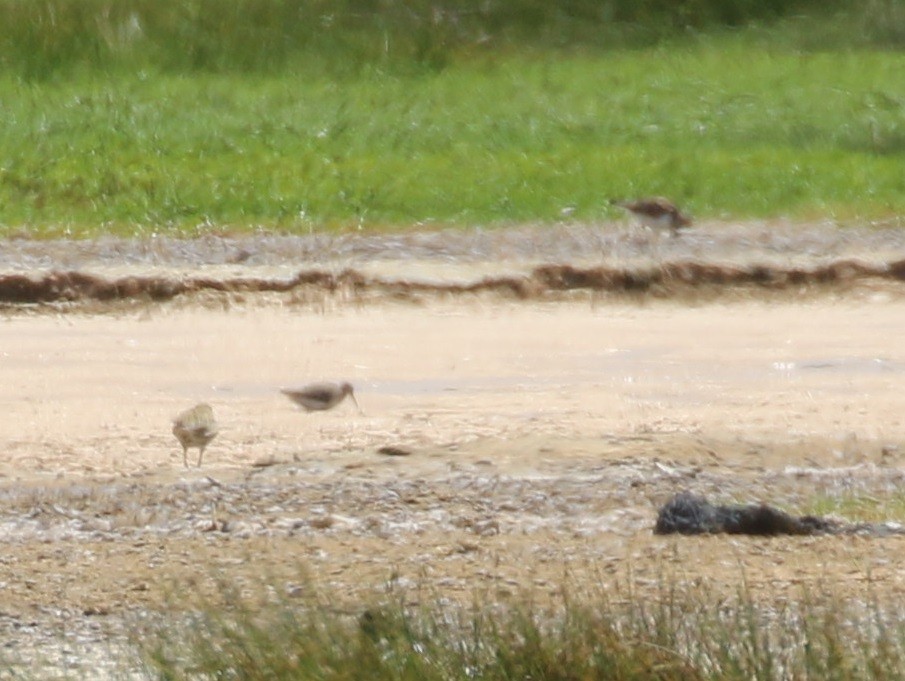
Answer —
667 635
859 507
725 130
745 123
40 40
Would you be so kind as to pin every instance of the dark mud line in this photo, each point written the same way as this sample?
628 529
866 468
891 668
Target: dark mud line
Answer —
663 281
679 276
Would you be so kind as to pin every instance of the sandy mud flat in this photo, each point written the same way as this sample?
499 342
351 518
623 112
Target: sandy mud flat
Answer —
540 434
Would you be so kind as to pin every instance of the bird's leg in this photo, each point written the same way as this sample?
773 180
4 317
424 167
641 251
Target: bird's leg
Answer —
185 456
200 454
656 247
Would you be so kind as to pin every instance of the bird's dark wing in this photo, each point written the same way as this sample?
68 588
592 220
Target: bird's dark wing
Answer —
317 394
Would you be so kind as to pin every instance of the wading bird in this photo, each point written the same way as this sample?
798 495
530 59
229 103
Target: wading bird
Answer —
656 213
320 396
195 427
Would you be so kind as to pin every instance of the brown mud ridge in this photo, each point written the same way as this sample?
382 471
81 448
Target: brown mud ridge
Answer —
664 280
687 513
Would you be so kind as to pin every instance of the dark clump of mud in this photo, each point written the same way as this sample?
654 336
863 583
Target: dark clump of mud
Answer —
664 280
690 514
687 513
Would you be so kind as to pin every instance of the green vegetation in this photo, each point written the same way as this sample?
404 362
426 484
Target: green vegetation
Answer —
859 507
142 116
41 39
670 636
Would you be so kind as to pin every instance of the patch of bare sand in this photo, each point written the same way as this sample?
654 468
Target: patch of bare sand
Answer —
95 394
542 438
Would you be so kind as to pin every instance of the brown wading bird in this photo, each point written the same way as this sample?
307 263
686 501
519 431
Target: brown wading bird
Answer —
195 427
656 213
321 396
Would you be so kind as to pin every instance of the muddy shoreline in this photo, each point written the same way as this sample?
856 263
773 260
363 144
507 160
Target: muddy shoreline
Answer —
551 387
544 283
525 263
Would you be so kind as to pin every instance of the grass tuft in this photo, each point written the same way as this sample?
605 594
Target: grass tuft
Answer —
859 507
679 636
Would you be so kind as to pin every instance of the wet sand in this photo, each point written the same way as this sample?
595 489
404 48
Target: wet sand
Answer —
96 393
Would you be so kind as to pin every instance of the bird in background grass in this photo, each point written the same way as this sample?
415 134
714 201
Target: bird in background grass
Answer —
321 396
656 213
195 427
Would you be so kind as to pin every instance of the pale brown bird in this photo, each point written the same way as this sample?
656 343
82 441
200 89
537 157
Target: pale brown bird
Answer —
321 396
656 213
195 427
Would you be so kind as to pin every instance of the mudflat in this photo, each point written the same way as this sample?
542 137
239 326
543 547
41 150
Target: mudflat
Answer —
504 445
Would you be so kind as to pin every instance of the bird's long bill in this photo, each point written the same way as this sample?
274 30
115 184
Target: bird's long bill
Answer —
352 395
